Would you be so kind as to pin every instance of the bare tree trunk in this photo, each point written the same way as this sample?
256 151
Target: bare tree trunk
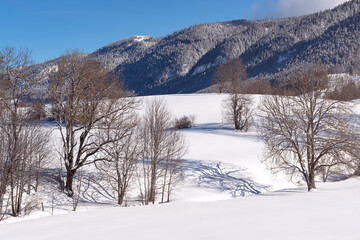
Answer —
76 197
37 178
70 174
169 188
29 177
152 190
311 183
121 196
164 181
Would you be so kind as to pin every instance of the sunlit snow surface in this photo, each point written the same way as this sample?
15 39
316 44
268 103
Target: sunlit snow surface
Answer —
222 165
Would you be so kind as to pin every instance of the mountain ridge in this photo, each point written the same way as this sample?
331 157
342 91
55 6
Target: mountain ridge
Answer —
184 61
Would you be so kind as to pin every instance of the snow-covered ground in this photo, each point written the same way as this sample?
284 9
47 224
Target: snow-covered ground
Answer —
222 166
332 212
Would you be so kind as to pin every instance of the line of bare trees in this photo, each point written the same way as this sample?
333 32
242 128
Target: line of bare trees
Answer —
23 144
98 124
85 100
306 134
146 156
161 151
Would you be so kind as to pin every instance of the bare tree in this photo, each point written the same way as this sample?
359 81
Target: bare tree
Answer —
257 85
14 83
38 152
162 148
4 175
236 74
121 154
237 107
230 75
84 94
219 77
237 110
27 171
304 133
18 130
77 194
173 168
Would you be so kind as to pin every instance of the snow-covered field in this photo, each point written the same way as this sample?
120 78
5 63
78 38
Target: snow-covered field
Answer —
222 166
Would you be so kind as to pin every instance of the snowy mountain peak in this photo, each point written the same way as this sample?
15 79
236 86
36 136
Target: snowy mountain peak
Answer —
141 38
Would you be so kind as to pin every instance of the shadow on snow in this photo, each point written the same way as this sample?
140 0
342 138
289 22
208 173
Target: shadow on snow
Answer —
221 129
233 180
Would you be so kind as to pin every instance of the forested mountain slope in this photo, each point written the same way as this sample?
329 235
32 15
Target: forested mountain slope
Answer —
184 61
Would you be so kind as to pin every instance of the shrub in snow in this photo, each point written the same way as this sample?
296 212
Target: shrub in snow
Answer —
184 122
32 202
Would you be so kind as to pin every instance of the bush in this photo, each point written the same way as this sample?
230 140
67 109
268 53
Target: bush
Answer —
346 92
37 111
32 203
184 122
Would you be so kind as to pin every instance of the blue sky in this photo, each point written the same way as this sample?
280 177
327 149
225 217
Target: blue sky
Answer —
49 27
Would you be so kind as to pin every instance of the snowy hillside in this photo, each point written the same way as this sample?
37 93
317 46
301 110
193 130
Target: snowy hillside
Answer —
184 61
227 194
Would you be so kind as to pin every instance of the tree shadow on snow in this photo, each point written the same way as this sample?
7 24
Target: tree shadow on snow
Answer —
231 179
222 129
92 187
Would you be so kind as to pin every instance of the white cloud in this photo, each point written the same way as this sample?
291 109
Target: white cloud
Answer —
290 8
